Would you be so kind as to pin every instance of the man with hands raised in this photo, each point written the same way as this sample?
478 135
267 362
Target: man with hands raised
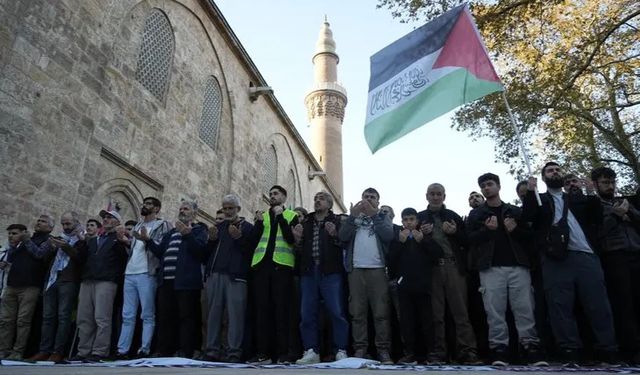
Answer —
498 241
103 258
367 233
449 286
412 255
571 269
226 273
140 281
321 269
272 265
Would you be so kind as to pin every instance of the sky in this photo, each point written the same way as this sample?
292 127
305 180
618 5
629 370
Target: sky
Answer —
280 37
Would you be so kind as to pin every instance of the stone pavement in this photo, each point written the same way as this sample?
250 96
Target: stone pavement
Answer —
82 370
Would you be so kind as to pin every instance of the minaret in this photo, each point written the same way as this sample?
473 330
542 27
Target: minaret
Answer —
325 104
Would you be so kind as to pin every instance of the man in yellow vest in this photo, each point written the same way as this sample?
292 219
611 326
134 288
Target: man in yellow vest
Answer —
272 266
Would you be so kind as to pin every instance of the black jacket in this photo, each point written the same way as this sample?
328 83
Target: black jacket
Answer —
457 241
330 247
106 263
237 252
411 262
585 208
482 240
28 262
617 234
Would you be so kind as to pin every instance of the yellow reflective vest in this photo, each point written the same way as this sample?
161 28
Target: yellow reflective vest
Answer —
283 251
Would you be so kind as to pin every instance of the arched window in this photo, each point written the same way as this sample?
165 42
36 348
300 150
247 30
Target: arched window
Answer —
269 169
211 109
156 54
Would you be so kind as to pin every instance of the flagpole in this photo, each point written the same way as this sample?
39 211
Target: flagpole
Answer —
525 155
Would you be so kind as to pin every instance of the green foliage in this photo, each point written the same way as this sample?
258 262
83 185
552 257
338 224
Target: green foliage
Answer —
572 73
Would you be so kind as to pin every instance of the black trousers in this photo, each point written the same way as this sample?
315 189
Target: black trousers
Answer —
272 294
622 273
415 320
177 313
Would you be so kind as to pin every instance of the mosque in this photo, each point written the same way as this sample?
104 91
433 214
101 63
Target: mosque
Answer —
109 102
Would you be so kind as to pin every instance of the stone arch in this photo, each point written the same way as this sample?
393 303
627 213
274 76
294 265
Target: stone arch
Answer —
123 194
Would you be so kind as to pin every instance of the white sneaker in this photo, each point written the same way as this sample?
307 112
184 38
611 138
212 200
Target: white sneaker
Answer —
341 354
309 357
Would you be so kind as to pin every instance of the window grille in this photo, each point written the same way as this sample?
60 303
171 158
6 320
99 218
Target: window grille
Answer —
156 54
270 169
211 109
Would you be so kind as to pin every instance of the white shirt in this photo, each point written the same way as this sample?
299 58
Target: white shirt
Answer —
577 239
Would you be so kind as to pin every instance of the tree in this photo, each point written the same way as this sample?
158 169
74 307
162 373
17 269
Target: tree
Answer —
572 73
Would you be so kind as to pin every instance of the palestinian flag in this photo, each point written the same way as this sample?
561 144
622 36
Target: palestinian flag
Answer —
425 74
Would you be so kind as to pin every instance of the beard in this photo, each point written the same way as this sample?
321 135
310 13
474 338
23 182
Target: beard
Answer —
184 218
144 211
606 194
554 182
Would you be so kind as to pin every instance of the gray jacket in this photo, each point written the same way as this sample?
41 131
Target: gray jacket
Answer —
156 235
618 234
383 228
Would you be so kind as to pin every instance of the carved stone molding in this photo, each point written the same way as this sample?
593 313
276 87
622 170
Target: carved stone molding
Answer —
325 104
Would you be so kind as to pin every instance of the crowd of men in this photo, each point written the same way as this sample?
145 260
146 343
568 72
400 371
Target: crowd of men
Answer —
505 284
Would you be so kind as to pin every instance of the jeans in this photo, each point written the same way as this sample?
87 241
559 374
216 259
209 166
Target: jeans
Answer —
138 289
502 285
59 302
313 286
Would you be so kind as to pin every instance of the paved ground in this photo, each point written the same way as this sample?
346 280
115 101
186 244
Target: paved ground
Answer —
67 370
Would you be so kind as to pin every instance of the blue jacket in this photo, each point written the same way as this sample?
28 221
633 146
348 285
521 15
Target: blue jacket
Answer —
192 254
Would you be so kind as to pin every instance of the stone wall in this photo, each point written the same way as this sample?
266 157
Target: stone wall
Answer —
78 129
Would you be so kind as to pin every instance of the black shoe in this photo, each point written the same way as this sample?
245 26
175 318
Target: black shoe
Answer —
500 356
469 358
570 357
77 358
434 359
94 358
534 356
234 359
409 360
142 354
122 357
260 359
609 359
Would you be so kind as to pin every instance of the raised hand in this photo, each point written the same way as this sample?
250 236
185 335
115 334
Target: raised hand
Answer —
258 216
403 235
491 223
121 234
449 227
331 229
510 224
426 229
213 233
417 235
298 232
183 228
234 231
532 183
277 210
